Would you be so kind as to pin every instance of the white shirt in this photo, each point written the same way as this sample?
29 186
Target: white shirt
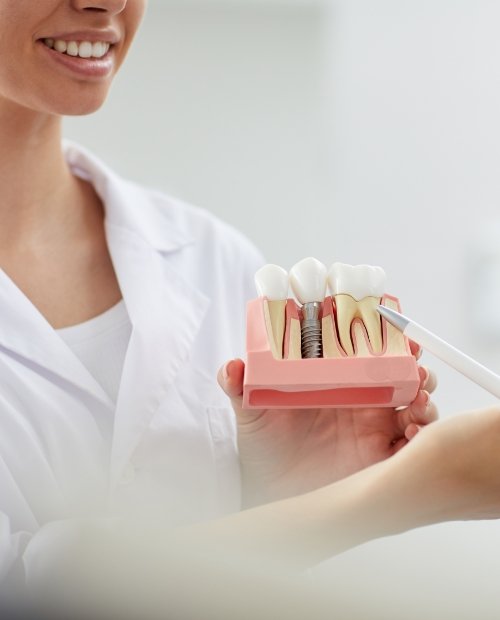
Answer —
185 278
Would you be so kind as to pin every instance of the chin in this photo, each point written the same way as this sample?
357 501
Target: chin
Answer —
81 110
81 106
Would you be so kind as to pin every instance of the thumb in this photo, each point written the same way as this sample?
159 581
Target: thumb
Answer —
230 378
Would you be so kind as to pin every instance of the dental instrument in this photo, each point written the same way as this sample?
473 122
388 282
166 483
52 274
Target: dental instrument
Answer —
461 362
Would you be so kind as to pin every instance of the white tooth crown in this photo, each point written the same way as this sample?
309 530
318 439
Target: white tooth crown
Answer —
358 281
271 281
355 324
83 49
308 280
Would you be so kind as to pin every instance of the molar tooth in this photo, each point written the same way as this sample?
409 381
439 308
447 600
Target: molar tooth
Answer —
357 291
49 42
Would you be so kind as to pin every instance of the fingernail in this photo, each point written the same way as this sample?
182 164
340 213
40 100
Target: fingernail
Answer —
416 430
427 398
425 374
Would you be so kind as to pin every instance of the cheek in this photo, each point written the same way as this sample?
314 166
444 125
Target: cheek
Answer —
136 10
15 75
17 15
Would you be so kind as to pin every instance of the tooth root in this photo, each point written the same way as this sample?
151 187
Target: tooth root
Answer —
293 340
331 348
367 308
274 312
346 312
359 337
349 309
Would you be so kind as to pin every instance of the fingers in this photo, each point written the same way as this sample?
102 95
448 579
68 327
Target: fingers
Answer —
428 380
416 350
412 431
431 383
420 412
427 377
230 378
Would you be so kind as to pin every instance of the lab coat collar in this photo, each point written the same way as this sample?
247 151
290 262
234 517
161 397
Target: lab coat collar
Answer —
165 310
124 202
26 334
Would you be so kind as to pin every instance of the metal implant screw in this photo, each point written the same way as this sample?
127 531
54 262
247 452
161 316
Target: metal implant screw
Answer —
312 344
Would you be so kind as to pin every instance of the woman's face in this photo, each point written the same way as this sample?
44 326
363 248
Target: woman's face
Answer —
60 56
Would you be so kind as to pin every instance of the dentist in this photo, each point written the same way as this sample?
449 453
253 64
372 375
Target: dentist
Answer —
117 307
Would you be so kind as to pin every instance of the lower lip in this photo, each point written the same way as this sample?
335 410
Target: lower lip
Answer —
84 67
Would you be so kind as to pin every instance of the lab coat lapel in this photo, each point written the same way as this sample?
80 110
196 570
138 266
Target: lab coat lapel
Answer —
25 332
161 306
166 312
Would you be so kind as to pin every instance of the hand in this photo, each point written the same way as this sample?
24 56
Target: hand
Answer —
288 452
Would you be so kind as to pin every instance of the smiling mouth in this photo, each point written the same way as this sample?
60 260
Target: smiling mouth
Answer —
80 49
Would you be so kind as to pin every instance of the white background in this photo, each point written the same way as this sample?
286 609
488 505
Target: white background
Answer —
351 130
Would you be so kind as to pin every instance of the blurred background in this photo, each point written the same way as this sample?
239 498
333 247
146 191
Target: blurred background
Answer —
360 131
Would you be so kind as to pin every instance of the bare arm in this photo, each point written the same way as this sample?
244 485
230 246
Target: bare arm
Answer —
450 471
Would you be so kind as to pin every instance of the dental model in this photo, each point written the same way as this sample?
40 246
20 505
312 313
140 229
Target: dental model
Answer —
308 282
357 291
325 352
271 282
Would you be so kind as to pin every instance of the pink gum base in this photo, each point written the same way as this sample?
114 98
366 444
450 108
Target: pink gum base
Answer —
376 381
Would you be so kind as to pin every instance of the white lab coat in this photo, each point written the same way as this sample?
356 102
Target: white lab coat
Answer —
185 278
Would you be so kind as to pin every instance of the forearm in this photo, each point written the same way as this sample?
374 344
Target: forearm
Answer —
302 531
136 565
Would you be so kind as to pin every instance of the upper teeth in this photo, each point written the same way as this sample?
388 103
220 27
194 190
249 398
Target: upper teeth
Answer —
83 49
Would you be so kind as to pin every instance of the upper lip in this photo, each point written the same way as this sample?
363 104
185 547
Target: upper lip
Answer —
93 36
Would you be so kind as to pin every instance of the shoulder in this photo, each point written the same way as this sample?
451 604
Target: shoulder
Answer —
210 247
211 237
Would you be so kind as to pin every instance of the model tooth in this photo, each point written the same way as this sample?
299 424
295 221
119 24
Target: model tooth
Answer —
308 280
357 291
272 284
271 281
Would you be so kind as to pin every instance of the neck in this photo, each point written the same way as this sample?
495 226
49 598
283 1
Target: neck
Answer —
35 182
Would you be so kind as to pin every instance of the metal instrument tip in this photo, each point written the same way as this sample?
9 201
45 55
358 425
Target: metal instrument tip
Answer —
394 318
